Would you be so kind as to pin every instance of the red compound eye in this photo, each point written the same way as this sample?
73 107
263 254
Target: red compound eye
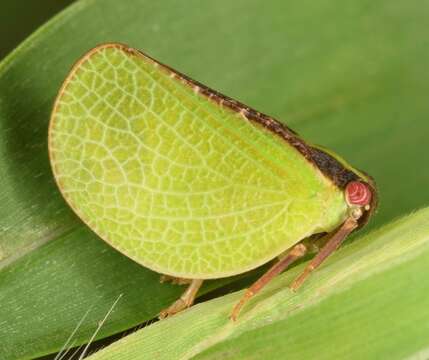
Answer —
358 193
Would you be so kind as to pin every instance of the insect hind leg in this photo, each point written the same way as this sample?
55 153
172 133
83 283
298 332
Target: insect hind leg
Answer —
174 280
185 301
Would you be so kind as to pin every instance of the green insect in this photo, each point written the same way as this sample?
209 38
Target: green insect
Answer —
191 183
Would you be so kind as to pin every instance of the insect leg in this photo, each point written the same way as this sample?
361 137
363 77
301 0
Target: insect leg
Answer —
334 242
174 280
294 254
185 301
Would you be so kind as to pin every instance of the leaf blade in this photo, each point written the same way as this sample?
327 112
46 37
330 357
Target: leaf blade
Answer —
356 297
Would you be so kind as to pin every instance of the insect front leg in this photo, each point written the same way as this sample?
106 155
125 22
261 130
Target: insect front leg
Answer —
297 252
185 301
329 247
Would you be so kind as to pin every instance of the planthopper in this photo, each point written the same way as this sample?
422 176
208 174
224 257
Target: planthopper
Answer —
191 183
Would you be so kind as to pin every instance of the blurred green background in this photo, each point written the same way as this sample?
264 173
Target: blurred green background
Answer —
20 18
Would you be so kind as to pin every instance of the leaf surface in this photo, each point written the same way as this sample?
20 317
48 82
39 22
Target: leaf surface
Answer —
368 301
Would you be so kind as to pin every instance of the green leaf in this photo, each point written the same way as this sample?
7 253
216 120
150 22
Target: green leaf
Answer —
352 77
368 301
19 24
